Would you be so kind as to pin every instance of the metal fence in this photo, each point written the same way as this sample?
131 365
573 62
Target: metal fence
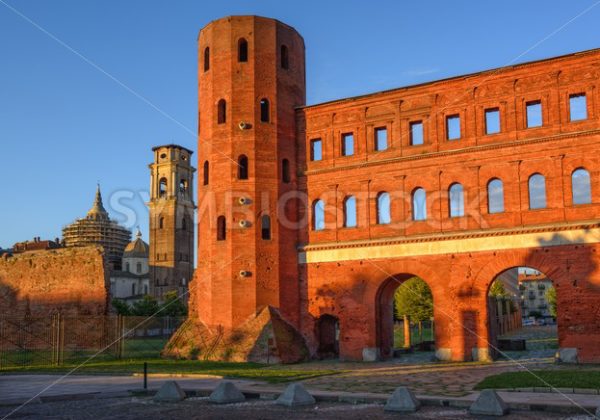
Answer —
57 340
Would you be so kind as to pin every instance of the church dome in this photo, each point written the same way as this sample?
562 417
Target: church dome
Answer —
137 248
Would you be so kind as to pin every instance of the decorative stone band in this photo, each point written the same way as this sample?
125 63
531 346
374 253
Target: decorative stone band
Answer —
496 240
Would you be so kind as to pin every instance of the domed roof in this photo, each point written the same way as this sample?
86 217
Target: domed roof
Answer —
138 248
98 212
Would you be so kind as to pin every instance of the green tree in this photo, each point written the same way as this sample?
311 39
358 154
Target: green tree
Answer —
121 307
551 298
497 290
414 299
145 307
172 306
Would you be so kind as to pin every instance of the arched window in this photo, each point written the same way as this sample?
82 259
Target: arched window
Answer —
318 215
161 222
206 59
205 180
383 208
285 60
242 50
221 228
138 268
581 186
162 187
243 167
537 192
133 289
184 223
350 211
419 204
264 110
495 193
183 185
285 171
456 200
221 111
265 227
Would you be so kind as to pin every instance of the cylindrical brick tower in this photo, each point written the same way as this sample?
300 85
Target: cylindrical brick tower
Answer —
251 76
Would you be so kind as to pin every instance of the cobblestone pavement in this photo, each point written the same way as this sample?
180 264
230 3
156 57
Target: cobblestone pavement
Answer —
425 376
195 408
432 378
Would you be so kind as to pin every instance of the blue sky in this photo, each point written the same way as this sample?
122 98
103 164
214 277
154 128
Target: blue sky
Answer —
64 125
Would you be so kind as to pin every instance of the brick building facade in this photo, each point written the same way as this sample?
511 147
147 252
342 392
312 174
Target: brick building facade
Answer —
323 210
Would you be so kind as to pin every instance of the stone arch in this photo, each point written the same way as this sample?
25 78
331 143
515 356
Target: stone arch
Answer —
536 259
383 299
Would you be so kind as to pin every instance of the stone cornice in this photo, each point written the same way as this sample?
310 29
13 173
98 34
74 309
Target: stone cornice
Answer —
452 236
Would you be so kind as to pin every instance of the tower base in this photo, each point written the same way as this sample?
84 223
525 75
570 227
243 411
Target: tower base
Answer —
264 338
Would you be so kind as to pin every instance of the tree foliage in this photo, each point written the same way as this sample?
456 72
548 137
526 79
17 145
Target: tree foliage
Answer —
497 290
551 298
414 299
121 307
148 306
173 306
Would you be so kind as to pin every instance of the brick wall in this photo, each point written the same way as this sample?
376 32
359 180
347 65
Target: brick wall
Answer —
72 281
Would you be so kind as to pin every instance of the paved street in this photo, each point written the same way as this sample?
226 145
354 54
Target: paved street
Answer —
194 408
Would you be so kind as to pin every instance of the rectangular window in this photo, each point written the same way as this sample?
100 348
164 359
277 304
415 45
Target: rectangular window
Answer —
416 133
381 139
578 107
316 150
534 114
492 121
347 144
453 127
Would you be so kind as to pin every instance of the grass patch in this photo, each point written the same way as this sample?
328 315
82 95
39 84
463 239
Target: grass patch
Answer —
267 373
414 334
543 378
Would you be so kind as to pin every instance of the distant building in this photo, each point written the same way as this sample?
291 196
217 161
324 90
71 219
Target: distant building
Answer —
533 287
133 281
36 245
98 229
171 220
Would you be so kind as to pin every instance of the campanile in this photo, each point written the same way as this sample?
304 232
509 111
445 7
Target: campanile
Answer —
251 77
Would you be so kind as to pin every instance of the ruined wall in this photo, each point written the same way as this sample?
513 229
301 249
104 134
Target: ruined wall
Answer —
72 281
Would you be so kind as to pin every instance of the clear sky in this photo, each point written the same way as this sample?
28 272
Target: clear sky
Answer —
64 124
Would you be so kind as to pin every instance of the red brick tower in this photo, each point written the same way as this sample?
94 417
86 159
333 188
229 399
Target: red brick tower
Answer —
251 77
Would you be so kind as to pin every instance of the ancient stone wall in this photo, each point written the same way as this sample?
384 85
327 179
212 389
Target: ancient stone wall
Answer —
72 281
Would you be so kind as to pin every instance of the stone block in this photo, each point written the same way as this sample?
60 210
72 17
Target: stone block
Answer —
169 392
295 395
481 354
403 401
226 393
488 403
370 354
567 355
443 354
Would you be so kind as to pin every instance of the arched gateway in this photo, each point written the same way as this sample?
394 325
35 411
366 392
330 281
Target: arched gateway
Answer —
480 173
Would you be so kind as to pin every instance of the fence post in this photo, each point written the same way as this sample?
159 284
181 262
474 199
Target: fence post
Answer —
120 337
61 352
53 338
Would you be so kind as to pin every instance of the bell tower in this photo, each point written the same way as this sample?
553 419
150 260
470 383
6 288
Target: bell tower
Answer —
171 208
251 76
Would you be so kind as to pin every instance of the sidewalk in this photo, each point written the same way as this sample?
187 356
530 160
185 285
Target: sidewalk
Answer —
18 389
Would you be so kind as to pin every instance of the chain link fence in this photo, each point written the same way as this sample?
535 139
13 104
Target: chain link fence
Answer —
56 340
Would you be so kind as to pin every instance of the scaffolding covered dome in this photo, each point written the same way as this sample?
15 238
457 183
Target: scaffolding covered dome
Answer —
97 229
